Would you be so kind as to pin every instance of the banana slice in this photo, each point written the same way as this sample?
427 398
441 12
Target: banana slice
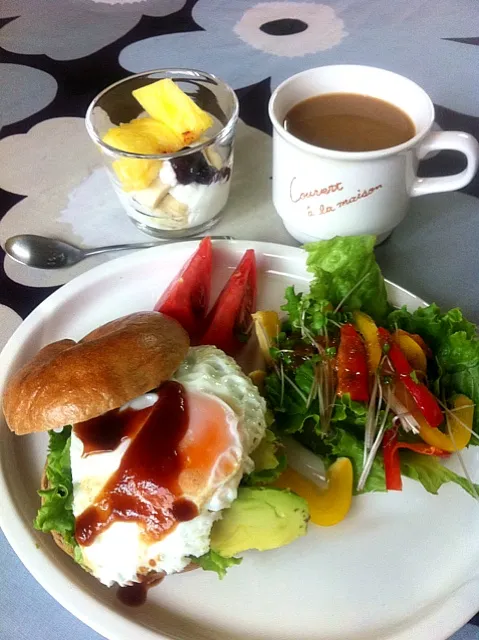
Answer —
173 206
152 195
171 213
213 158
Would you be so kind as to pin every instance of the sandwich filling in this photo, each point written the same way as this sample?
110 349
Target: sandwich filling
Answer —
151 478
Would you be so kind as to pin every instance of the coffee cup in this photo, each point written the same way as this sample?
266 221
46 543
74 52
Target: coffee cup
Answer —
324 192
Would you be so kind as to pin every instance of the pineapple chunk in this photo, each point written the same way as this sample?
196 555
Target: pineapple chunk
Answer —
165 101
133 140
134 173
144 135
168 140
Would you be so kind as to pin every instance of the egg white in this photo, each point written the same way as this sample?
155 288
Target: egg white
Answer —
119 554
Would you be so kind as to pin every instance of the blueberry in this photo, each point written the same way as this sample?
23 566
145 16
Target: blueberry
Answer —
193 168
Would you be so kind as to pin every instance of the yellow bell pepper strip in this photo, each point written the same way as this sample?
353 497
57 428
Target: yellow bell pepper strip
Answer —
459 425
257 377
369 331
411 349
424 399
267 327
392 462
327 506
459 422
421 343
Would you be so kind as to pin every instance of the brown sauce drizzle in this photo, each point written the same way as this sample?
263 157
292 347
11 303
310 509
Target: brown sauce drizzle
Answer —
145 488
134 595
106 432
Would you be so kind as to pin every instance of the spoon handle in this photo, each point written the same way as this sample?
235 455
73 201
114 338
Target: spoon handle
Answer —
146 245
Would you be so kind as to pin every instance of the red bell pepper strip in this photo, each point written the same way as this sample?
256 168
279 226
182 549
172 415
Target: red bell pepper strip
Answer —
352 365
424 399
392 463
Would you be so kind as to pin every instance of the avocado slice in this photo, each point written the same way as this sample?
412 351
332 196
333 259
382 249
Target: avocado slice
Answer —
260 518
269 461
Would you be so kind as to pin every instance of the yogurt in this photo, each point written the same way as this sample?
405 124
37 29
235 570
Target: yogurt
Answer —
188 193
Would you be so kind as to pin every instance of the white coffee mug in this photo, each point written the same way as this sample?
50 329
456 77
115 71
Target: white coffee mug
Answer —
321 193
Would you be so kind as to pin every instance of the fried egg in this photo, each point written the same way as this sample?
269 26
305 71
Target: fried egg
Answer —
226 423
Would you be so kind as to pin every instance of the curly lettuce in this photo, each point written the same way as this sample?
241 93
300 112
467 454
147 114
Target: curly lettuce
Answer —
213 561
432 474
56 512
345 269
455 345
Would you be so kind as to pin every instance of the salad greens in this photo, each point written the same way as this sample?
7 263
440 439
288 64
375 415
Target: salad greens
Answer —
213 561
346 270
56 512
456 348
431 473
346 279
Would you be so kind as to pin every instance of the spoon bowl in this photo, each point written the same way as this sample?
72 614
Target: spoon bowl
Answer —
43 253
40 252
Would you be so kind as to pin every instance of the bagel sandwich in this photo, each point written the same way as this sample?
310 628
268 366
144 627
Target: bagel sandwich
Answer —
159 453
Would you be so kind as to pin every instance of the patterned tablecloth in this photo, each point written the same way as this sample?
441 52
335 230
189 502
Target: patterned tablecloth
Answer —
56 56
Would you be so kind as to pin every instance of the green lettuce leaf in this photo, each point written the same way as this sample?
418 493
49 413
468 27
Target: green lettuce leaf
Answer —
213 561
56 512
288 405
431 473
349 412
345 444
346 268
269 461
431 324
455 345
458 360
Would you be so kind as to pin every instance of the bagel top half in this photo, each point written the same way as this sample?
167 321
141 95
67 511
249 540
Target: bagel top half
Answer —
69 382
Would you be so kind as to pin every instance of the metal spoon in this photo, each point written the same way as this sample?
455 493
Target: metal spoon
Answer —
47 253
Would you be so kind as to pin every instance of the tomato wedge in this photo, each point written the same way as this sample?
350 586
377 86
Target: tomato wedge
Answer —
229 321
188 296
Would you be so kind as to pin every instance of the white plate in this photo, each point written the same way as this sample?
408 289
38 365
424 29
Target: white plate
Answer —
401 566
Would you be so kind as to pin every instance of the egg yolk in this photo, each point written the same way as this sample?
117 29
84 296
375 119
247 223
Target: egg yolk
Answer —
210 449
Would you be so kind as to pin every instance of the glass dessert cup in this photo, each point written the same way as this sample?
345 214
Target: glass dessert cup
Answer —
170 195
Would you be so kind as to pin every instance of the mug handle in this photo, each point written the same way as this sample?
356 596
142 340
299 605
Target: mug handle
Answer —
438 141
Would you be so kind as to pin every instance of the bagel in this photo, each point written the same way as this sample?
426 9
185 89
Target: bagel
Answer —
69 382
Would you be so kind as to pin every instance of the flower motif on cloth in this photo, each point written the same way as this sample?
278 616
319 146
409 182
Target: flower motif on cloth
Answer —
69 195
245 42
290 29
29 91
9 321
76 28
